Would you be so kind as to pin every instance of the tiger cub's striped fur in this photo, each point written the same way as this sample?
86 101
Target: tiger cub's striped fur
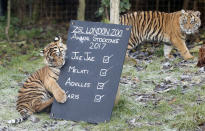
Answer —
41 88
170 28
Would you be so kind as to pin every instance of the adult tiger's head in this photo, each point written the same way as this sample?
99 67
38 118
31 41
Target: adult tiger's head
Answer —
54 53
189 21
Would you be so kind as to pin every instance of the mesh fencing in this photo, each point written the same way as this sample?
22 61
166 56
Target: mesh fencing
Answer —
65 10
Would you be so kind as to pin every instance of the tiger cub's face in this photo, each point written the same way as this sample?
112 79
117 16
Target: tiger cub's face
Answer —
189 21
54 53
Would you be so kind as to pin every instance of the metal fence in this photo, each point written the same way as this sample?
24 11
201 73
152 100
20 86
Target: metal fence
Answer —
169 6
65 10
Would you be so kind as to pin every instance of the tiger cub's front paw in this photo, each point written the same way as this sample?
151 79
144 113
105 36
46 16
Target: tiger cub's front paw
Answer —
61 96
188 57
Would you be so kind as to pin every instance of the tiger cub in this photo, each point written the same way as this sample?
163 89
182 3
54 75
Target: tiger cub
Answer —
170 28
40 89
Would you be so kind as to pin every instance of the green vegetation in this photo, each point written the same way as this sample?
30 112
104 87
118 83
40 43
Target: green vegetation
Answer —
162 111
179 105
104 10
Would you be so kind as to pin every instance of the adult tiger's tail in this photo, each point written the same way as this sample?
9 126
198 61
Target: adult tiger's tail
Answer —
18 120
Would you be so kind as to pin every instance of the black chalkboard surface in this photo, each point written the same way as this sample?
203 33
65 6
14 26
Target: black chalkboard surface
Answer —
91 74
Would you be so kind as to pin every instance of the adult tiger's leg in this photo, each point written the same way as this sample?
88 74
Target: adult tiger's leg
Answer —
182 48
130 58
167 51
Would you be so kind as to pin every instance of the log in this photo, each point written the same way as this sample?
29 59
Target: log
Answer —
201 59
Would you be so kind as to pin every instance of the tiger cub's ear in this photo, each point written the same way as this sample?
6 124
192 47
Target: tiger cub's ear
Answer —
183 11
42 53
197 13
59 39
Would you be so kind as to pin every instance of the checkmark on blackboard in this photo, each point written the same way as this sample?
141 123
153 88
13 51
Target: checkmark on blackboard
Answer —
101 85
106 59
103 72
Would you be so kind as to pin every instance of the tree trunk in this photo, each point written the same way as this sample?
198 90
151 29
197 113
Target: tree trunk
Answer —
8 20
169 6
1 9
157 5
114 11
106 13
35 11
137 5
21 9
185 4
81 10
196 5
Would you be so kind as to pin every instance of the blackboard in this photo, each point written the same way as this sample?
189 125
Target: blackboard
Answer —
91 74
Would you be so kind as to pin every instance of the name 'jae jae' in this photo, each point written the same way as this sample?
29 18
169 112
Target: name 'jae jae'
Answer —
85 57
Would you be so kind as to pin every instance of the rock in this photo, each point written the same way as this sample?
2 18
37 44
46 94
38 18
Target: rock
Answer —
166 65
139 68
202 69
168 79
3 129
195 49
185 78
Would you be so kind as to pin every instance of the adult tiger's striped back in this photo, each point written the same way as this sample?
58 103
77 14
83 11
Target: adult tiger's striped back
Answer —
40 89
170 28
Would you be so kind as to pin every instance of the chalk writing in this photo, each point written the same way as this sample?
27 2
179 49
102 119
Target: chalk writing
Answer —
73 96
97 31
78 29
73 69
98 98
101 85
105 40
86 56
106 59
80 38
91 74
103 72
97 46
77 84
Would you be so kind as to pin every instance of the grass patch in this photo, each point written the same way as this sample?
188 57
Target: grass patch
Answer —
178 109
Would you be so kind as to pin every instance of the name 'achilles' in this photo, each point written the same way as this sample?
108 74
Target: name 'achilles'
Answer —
91 74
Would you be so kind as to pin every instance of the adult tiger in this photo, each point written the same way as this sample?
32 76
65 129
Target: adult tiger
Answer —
40 89
170 28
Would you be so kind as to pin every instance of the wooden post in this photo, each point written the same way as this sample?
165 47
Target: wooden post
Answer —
114 18
114 11
81 10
